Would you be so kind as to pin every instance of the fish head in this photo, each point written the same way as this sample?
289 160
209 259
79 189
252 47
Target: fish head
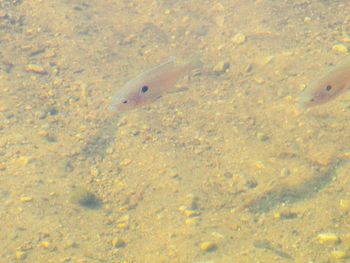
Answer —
129 98
322 91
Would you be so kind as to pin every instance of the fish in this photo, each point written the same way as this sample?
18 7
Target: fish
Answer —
149 85
329 86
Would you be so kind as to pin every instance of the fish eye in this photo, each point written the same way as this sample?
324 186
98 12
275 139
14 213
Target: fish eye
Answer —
328 88
144 89
125 101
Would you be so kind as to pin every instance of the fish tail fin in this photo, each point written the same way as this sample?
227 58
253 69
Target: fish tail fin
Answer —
193 65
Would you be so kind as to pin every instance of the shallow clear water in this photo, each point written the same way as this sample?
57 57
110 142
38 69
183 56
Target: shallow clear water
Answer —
227 168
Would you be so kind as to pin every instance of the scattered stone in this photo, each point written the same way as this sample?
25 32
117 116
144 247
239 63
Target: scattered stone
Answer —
340 48
51 138
36 69
192 221
262 136
208 246
218 7
188 212
2 166
20 255
123 222
26 199
248 68
45 244
258 80
43 133
94 171
285 172
339 254
125 162
191 213
201 31
286 215
219 20
327 238
52 111
307 19
3 108
242 182
221 67
118 242
85 198
173 173
3 14
70 243
192 202
344 205
40 114
239 38
24 160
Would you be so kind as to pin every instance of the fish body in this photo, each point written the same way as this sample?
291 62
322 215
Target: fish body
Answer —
148 86
327 87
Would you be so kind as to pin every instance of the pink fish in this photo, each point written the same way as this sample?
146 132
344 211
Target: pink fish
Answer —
149 85
328 87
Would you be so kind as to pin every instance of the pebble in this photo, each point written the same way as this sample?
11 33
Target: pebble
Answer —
122 226
208 246
327 238
26 199
24 160
218 7
324 157
36 69
286 215
45 244
239 38
84 198
219 20
344 205
43 133
123 222
201 31
41 114
242 182
259 80
3 14
285 172
221 67
262 136
339 254
3 108
192 202
346 240
70 243
192 221
191 213
2 166
307 19
188 212
21 255
94 171
125 162
118 242
345 155
340 48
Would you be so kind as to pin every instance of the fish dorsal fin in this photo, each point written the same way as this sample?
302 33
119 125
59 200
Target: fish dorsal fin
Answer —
159 69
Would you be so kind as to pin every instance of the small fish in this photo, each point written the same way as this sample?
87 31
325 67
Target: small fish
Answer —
149 85
328 87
